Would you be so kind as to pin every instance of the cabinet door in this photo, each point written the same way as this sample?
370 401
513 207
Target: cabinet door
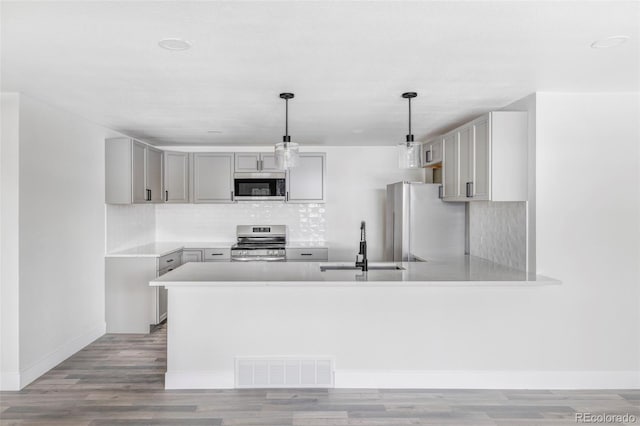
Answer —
465 160
176 177
436 151
268 163
212 178
482 160
138 172
433 152
247 162
192 255
154 174
306 182
450 166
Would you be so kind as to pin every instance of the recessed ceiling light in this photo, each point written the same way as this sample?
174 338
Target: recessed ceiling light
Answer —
174 44
609 42
214 131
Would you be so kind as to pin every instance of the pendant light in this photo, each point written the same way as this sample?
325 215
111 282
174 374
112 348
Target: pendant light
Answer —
287 152
409 152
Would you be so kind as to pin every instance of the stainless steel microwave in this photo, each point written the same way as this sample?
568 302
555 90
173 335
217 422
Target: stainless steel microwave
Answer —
259 186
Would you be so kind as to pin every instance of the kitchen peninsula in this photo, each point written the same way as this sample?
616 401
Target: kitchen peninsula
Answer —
291 324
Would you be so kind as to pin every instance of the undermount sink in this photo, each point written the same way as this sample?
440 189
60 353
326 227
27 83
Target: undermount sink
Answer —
324 268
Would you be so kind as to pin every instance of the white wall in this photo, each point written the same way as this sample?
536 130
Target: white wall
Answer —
356 190
9 241
588 224
60 236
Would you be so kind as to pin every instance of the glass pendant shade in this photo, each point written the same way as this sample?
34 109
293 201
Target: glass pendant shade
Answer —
287 152
287 155
409 155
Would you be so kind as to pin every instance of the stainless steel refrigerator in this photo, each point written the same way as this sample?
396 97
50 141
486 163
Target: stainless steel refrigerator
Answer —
419 225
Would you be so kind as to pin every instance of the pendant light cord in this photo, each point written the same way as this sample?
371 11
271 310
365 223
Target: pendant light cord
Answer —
409 136
286 121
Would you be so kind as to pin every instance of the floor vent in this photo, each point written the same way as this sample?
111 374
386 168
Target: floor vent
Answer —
284 372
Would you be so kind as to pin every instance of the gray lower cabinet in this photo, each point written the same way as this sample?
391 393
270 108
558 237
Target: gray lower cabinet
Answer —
176 177
206 255
192 255
212 177
133 172
132 306
307 254
307 182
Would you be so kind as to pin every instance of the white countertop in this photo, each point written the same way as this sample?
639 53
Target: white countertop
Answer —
159 249
307 244
462 270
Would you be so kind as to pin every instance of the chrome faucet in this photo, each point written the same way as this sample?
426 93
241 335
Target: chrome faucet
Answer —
364 262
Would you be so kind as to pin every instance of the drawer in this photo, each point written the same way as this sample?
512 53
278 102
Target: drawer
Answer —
167 269
170 260
309 255
213 255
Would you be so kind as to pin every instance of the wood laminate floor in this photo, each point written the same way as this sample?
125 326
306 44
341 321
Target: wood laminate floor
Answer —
118 380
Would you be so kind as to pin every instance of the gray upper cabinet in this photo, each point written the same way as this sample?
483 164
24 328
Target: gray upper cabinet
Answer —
255 162
212 177
153 174
176 177
486 159
433 151
139 187
306 183
247 162
133 172
268 163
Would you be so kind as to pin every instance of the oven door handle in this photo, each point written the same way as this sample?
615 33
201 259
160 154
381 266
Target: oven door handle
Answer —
257 259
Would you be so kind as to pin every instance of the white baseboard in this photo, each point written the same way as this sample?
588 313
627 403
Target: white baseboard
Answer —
199 380
63 352
487 379
10 381
426 379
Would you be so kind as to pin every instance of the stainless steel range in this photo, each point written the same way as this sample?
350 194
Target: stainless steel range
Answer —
260 243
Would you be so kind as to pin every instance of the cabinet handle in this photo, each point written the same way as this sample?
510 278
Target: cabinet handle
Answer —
217 254
231 195
148 195
469 189
257 164
170 260
428 159
166 196
287 196
440 191
170 269
306 254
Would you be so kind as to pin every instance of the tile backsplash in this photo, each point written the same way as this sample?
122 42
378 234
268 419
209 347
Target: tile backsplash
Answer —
129 225
498 232
217 222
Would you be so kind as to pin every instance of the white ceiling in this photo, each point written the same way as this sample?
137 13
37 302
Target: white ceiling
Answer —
346 62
